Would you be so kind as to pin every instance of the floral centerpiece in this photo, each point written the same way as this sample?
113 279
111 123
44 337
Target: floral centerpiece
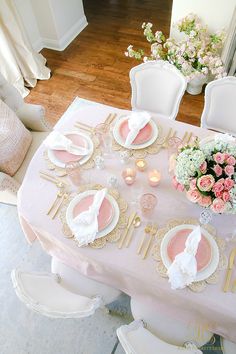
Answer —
196 55
207 173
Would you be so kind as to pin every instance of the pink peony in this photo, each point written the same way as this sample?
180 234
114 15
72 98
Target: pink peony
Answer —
218 170
205 183
226 155
226 196
229 183
229 170
204 201
218 205
193 195
178 186
193 183
219 157
203 167
218 188
231 160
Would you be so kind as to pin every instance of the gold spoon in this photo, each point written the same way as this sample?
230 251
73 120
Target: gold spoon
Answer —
147 231
136 223
152 235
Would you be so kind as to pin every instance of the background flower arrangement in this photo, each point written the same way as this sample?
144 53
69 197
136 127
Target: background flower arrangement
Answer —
197 55
207 173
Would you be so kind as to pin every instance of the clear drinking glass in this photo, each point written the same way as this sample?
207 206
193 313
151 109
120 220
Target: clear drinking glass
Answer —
74 172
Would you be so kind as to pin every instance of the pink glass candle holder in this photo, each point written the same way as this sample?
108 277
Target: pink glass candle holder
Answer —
154 178
148 203
129 175
141 164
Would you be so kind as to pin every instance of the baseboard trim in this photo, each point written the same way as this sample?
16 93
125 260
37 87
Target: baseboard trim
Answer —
68 37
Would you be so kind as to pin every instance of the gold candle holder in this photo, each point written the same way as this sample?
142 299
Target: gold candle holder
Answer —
154 178
129 175
141 164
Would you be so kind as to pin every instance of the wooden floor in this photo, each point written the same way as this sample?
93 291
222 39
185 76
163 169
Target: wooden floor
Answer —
94 67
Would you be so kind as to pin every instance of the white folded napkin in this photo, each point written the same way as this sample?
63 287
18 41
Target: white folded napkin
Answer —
57 141
183 270
136 122
86 224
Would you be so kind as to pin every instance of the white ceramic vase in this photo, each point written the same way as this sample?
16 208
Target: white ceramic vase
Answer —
194 86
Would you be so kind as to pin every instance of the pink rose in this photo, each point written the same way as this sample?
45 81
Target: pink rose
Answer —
219 157
193 195
226 155
229 170
218 170
193 183
229 183
203 167
218 206
221 180
218 188
178 186
205 201
205 183
231 160
226 196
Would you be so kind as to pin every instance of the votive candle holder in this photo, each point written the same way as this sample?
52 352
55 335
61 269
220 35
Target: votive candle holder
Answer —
154 177
129 175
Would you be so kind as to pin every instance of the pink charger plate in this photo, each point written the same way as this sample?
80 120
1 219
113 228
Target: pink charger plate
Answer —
65 156
106 211
177 244
143 136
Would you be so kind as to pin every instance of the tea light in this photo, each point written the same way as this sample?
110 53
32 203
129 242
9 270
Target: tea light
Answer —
154 178
141 164
129 175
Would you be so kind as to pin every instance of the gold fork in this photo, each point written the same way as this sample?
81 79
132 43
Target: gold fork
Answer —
147 231
64 197
152 235
168 136
58 197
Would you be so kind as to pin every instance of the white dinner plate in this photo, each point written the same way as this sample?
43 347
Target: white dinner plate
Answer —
90 147
120 141
77 198
212 265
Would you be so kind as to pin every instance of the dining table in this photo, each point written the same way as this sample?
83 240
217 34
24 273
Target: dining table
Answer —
123 268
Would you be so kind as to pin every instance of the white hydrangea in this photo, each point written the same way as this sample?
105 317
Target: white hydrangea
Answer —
187 164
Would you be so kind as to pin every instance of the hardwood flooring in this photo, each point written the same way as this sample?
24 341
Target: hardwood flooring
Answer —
94 67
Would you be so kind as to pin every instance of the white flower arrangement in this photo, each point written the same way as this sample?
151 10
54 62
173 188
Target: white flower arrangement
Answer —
195 56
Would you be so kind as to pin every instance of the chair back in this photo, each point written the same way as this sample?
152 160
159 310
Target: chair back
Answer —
157 87
219 111
167 327
135 339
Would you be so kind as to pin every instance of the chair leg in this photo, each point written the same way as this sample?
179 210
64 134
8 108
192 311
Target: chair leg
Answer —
115 346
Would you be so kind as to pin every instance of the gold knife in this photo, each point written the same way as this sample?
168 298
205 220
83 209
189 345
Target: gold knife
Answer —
165 144
189 138
131 218
229 270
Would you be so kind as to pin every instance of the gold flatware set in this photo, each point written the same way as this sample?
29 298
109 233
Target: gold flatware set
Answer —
127 229
229 273
150 232
110 118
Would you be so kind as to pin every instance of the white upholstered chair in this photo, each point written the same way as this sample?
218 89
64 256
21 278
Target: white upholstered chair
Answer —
166 328
135 339
227 346
33 117
62 293
219 111
157 87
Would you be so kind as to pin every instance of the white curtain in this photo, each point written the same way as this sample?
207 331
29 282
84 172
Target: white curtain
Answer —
19 63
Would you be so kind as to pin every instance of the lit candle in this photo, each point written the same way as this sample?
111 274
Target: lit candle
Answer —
141 164
154 178
129 175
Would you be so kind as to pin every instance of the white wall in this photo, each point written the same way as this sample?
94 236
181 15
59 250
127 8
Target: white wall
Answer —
215 13
52 24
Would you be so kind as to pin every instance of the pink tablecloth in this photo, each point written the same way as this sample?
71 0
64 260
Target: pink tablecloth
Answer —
124 269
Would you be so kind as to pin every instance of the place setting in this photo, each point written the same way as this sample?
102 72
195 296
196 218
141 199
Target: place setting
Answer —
94 215
137 133
189 254
73 146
